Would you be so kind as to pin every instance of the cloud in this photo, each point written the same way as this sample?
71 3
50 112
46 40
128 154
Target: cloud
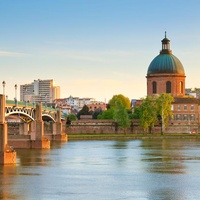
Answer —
111 56
10 54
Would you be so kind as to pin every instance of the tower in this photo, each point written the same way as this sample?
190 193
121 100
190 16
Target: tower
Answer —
165 73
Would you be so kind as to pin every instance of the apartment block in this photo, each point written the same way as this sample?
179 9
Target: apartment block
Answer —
40 91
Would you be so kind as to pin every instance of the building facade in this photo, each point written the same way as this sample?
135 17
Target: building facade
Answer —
166 74
75 104
195 92
40 91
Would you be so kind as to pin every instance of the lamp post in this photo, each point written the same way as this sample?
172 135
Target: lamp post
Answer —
4 84
16 92
33 97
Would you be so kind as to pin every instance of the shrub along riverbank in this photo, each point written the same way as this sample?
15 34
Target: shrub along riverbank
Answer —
114 136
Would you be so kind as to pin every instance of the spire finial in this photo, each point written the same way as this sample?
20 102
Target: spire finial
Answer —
165 34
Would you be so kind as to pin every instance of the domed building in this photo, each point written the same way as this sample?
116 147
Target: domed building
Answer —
165 73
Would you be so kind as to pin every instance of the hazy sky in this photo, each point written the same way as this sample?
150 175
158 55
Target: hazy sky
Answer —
95 48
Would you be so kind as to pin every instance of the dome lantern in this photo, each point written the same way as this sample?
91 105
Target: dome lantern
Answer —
165 46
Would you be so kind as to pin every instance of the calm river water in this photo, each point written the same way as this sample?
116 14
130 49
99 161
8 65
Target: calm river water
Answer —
166 169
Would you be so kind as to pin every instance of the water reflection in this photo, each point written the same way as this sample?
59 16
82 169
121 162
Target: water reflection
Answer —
168 156
33 157
137 169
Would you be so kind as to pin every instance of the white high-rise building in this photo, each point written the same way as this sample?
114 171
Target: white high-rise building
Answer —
40 91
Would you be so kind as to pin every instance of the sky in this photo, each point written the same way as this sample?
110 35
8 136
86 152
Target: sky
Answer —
95 48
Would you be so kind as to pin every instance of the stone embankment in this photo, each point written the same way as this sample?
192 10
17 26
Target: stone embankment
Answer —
89 126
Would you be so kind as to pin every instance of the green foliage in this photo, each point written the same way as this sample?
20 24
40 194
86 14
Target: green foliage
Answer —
151 108
96 113
107 114
70 117
164 108
148 113
121 115
135 114
125 101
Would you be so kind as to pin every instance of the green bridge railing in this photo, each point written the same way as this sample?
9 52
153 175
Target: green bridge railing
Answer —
28 104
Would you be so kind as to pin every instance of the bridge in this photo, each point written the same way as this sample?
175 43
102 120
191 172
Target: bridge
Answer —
26 111
31 134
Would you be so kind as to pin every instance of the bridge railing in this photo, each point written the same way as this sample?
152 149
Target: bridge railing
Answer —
33 105
28 104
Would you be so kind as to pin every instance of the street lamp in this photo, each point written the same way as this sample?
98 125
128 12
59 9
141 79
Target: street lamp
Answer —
4 84
16 92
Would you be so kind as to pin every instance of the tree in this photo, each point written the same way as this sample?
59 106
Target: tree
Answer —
121 115
125 101
107 114
96 113
70 117
148 113
164 108
153 108
83 111
135 114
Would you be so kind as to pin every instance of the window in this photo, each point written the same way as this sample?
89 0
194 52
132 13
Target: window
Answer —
178 117
192 117
181 87
154 87
179 108
185 107
168 87
185 117
172 107
192 107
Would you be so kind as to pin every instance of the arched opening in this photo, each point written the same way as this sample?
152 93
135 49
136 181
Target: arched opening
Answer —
181 87
168 87
154 84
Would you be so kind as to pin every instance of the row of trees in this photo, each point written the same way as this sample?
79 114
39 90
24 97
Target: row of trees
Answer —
151 111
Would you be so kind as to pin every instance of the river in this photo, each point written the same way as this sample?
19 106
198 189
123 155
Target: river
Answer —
159 169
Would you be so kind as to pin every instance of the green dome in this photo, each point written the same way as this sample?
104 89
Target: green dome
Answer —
166 63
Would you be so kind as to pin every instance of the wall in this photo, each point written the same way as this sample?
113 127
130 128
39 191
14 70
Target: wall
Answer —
109 126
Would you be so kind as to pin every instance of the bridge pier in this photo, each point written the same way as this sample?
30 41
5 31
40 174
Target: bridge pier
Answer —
7 154
38 140
58 134
23 129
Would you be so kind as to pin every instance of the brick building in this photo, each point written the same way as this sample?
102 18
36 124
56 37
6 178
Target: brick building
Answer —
166 74
94 105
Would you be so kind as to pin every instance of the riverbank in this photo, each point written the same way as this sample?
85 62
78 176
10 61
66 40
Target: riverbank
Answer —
114 136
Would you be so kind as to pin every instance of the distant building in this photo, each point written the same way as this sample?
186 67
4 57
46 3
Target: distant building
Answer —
95 105
195 92
135 103
76 104
39 91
